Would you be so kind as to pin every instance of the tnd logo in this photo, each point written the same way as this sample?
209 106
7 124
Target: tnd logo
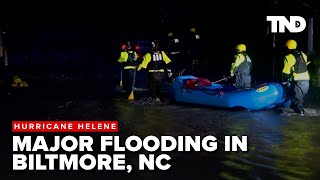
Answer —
295 25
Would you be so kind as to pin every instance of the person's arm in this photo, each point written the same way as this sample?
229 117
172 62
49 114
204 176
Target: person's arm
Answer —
136 59
145 61
123 57
232 69
234 66
289 61
306 58
168 61
135 56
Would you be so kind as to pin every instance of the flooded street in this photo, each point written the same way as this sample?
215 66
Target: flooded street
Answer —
280 145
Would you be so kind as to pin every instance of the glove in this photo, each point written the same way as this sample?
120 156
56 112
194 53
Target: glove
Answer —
287 84
169 73
231 75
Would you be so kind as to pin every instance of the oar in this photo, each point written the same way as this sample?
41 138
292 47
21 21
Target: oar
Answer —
121 71
131 96
223 79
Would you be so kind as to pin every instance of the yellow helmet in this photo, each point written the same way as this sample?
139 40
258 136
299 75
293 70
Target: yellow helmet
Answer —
170 34
291 44
193 29
241 47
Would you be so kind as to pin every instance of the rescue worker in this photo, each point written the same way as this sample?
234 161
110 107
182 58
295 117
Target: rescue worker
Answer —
192 43
157 63
128 58
295 74
174 51
241 68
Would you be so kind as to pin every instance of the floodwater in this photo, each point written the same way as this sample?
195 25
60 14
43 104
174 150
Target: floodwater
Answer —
280 145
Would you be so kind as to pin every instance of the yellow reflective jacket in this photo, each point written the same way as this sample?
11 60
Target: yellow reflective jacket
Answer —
124 56
288 69
242 64
147 59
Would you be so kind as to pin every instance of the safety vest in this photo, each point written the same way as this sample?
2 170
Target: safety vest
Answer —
245 66
131 61
295 67
194 45
299 69
157 63
174 46
301 65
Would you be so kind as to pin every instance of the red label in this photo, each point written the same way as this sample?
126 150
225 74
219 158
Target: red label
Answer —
64 126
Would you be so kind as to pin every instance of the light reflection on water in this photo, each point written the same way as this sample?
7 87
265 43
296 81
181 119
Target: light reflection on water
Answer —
280 146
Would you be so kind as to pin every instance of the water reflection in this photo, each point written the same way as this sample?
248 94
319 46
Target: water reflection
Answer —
279 146
299 150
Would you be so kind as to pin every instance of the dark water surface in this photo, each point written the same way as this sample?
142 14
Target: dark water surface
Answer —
280 145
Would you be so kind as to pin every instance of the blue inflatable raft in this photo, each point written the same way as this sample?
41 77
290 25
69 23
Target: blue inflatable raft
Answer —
262 97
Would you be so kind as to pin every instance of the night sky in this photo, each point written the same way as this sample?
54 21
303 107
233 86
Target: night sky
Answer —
80 29
50 42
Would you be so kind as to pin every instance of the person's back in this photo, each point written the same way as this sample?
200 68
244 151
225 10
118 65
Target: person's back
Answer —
174 44
193 50
128 59
295 72
174 52
241 67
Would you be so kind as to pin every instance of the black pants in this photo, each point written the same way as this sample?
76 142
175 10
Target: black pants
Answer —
155 81
299 91
243 81
196 67
128 79
195 62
